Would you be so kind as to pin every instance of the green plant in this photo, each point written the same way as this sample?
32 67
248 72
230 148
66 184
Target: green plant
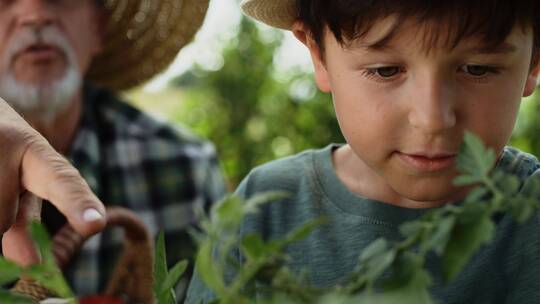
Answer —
526 136
164 279
265 277
47 273
50 276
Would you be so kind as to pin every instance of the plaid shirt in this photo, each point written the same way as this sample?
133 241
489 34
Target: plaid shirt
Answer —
131 160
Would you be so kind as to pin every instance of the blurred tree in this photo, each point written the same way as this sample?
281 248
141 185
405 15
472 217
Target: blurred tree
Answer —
527 132
252 114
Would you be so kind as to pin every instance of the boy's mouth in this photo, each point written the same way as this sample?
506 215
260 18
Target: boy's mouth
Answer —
428 162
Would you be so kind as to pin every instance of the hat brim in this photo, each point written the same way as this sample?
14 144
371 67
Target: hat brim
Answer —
276 13
143 38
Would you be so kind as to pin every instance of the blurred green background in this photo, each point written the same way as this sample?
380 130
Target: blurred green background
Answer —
254 112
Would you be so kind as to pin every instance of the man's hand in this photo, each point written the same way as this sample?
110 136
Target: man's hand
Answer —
30 166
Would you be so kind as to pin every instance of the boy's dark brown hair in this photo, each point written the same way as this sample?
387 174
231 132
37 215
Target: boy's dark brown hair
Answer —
492 20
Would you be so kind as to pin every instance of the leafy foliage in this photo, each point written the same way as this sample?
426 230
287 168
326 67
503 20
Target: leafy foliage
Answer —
453 232
165 280
48 275
526 136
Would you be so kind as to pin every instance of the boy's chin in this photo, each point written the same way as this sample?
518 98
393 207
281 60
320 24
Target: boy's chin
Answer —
429 196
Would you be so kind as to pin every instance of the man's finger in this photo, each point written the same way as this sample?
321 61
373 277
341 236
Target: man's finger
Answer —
9 199
10 157
17 243
38 168
49 175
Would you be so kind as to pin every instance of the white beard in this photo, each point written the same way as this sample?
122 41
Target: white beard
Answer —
46 100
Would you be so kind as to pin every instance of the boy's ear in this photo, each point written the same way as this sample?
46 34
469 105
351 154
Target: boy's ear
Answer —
532 80
321 74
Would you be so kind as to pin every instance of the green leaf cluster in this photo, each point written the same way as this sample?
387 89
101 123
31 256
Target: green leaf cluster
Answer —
247 269
50 276
165 280
46 274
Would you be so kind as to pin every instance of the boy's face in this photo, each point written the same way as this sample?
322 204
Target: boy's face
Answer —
403 110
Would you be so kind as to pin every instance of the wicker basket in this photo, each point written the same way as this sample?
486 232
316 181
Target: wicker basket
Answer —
131 280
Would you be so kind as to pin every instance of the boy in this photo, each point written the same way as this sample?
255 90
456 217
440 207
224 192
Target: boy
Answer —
407 79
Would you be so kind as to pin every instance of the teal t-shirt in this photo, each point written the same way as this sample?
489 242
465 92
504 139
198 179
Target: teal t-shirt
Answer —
505 271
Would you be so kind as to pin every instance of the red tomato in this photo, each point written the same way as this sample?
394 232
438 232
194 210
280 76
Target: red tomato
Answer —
100 300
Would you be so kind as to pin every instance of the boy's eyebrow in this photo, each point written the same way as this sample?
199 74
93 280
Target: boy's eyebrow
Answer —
502 49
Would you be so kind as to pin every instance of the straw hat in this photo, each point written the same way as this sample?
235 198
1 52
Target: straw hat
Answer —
276 13
143 37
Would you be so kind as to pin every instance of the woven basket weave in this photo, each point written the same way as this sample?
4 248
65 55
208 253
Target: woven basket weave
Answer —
132 277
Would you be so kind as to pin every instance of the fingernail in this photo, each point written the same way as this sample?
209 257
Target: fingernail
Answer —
91 215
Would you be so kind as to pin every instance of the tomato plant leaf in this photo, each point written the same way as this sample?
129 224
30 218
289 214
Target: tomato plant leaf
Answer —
468 235
253 247
14 298
9 271
208 270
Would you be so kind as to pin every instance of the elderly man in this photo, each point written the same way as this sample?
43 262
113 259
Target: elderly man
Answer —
60 63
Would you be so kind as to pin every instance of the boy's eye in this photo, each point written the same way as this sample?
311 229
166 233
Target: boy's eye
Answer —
387 72
477 70
383 73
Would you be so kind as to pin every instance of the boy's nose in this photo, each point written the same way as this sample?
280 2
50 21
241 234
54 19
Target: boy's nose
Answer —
432 109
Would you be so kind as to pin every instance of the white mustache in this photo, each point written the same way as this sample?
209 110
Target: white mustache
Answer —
29 37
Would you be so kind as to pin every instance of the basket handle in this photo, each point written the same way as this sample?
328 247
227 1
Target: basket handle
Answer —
132 278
